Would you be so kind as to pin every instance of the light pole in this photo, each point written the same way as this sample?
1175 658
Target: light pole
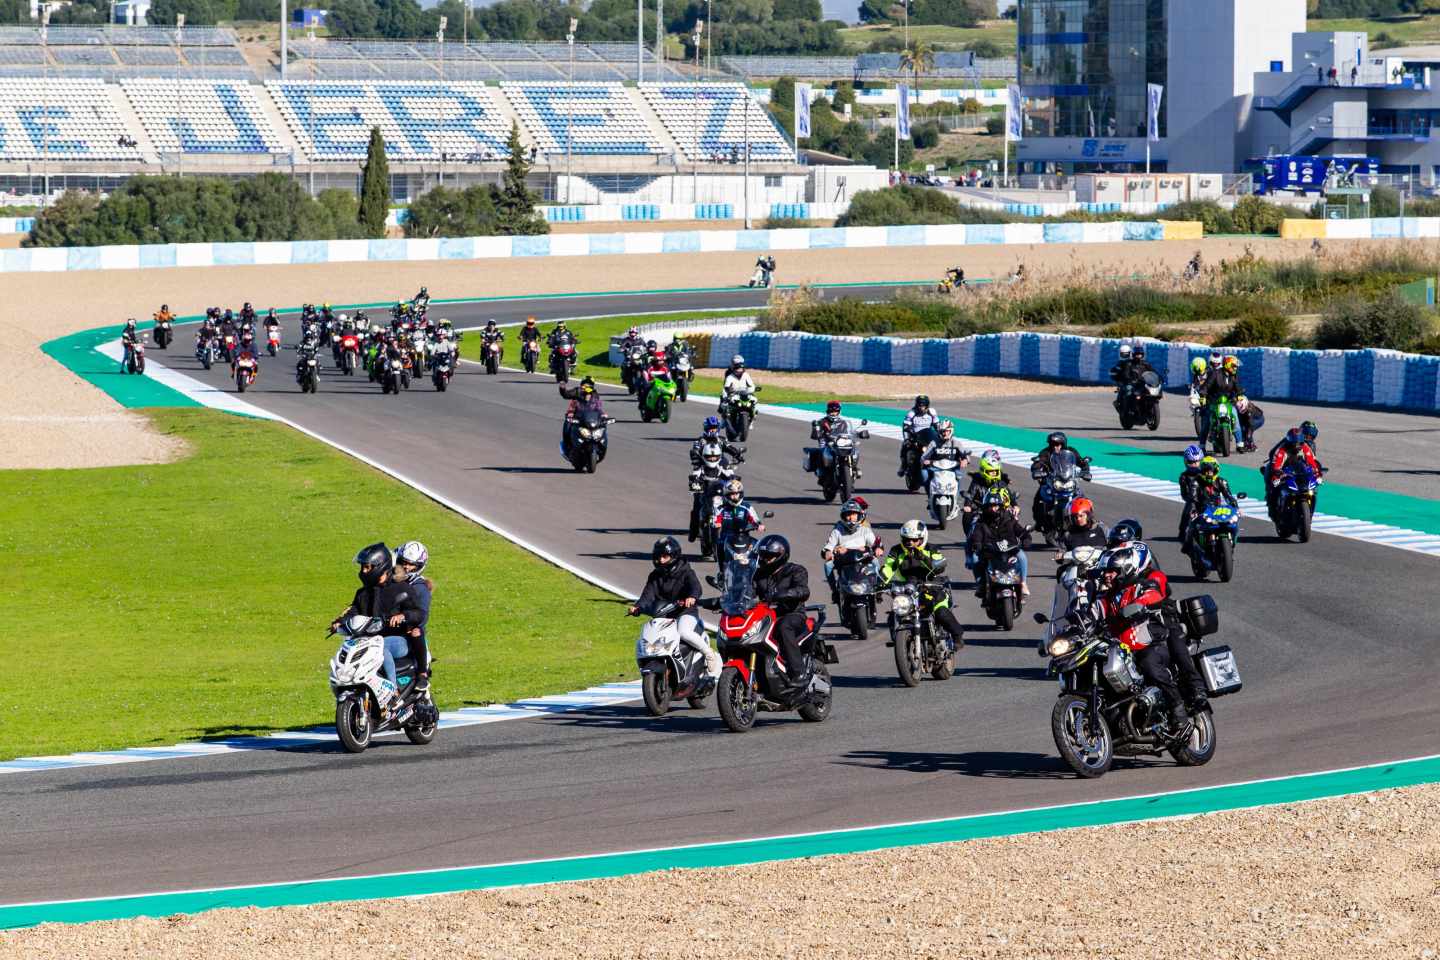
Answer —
639 41
747 160
45 102
570 108
695 184
710 39
310 121
660 39
440 39
284 40
179 34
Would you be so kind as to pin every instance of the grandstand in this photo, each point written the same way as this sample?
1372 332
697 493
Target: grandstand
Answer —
492 61
602 120
60 119
712 121
869 66
200 117
109 54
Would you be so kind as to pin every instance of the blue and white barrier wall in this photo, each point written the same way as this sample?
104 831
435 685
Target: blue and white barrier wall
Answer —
16 224
1380 378
151 256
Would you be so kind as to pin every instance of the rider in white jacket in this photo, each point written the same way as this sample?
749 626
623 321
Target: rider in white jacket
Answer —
851 533
737 379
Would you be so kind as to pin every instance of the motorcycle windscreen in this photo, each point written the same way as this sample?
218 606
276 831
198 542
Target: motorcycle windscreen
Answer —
739 597
1063 467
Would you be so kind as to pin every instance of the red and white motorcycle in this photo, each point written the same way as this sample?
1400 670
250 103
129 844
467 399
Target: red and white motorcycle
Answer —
272 340
247 368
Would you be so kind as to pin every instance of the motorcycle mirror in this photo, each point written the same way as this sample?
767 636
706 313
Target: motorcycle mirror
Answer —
864 423
1242 495
768 514
863 434
758 389
1040 618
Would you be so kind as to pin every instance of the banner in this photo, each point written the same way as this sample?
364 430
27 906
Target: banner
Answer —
802 109
1156 94
902 114
1014 116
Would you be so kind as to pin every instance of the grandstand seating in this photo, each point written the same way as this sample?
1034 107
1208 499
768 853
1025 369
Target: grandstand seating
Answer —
206 57
708 120
605 121
209 117
406 69
82 123
948 65
22 55
148 56
89 56
332 121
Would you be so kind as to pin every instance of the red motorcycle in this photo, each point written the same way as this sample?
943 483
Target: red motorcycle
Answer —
530 354
752 679
227 348
349 353
246 370
135 358
272 340
562 361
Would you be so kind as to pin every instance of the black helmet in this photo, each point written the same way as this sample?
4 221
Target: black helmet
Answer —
1124 531
922 401
489 324
1294 438
774 550
651 345
378 558
1309 431
832 409
665 547
1057 440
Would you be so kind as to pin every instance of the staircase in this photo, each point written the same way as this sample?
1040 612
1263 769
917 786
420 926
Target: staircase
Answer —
130 122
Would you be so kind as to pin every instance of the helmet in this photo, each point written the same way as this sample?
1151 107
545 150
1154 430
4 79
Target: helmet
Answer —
922 401
559 324
1125 531
443 334
1197 366
913 534
413 553
587 387
1216 358
1139 352
774 550
710 454
735 491
945 429
990 468
737 361
1231 363
374 328
377 558
711 424
651 346
229 314
1081 505
665 547
995 503
1057 440
130 324
832 409
247 306
1125 351
633 332
1193 455
489 324
1294 438
848 507
1210 467
678 337
1309 431
1127 563
529 321
424 292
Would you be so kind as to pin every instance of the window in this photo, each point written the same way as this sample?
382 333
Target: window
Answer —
772 181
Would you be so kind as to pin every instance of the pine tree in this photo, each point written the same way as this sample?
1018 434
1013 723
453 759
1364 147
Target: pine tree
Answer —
516 203
375 187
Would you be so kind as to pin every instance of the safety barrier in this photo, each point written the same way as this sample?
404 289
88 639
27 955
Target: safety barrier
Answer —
1374 228
1365 378
150 256
16 224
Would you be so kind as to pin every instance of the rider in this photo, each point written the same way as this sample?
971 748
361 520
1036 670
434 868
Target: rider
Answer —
712 472
271 322
956 276
1189 484
710 434
734 516
678 347
1311 433
918 430
737 380
673 581
1252 418
583 399
1289 452
1055 444
247 313
654 367
913 562
1083 530
383 594
944 447
411 558
764 271
529 335
832 426
309 349
163 315
491 334
997 522
786 586
850 534
1219 382
443 347
129 338
1209 488
561 334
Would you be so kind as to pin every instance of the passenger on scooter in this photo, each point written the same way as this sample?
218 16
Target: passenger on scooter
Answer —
850 534
832 426
912 561
997 522
583 399
943 447
673 581
1083 529
786 586
383 595
411 557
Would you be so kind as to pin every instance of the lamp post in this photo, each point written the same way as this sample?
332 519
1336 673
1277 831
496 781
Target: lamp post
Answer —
747 160
659 39
440 39
284 40
45 104
710 39
310 121
179 34
695 183
639 41
570 108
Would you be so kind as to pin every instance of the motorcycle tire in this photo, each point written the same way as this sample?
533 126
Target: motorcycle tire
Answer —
664 411
1125 421
860 621
1200 748
819 712
655 688
944 669
738 706
1225 559
529 364
1222 443
420 733
1006 620
270 349
644 414
1069 710
744 428
682 390
240 383
592 461
404 381
1153 421
1199 428
847 485
907 658
1302 529
492 366
352 725
563 374
206 362
440 384
941 519
828 493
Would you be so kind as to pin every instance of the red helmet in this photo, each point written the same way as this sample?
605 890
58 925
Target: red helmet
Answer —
832 407
1081 504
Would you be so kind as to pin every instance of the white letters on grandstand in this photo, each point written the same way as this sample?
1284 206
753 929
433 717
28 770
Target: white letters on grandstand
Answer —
602 119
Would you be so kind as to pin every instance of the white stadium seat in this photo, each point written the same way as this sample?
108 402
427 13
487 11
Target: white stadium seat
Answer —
82 124
201 116
603 121
708 120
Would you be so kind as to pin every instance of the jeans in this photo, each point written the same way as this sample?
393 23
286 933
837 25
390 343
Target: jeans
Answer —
394 647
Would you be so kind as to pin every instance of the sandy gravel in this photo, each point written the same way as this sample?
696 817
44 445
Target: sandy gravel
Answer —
37 307
896 387
1351 879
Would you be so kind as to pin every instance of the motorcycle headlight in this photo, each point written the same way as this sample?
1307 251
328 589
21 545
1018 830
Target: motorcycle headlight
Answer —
585 432
903 605
756 631
858 587
1060 646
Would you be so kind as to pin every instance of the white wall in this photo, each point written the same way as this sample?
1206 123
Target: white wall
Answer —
683 188
840 184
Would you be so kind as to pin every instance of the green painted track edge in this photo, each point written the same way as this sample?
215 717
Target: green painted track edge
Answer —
1293 789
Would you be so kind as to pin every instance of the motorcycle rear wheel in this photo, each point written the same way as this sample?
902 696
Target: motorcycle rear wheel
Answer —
1200 748
1092 758
657 693
907 659
420 733
737 703
818 712
352 725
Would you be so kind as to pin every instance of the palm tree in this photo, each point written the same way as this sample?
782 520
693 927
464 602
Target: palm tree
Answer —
918 58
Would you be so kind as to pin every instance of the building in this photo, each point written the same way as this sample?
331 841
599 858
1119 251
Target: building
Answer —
1378 107
1084 68
130 12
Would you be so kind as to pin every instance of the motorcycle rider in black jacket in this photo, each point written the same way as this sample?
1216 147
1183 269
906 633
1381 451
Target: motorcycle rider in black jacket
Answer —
786 586
673 581
1056 443
382 595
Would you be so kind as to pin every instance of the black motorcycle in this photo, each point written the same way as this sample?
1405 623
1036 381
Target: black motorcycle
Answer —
588 440
910 450
1105 707
1000 583
921 647
856 586
393 375
632 366
441 370
1140 402
835 463
163 334
308 373
738 412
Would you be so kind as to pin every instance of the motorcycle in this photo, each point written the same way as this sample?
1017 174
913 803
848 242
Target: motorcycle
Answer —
163 334
135 357
682 370
1059 487
658 396
441 370
753 677
562 362
944 491
247 368
309 375
856 586
920 647
392 373
589 442
349 353
1295 507
738 412
227 348
1000 592
1105 708
362 692
763 277
206 352
530 354
272 341
706 485
1222 426
950 282
834 464
1074 579
670 669
1212 538
910 450
632 367
1140 402
1197 415
492 351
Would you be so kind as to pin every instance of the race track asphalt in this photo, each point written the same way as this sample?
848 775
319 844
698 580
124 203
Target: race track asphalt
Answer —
1333 638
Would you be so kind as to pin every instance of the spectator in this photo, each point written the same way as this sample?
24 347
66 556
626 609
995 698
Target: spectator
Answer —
1334 77
1355 75
1319 74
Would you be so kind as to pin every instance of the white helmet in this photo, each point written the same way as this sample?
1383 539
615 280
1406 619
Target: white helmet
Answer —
1125 351
374 328
915 530
343 318
737 361
413 553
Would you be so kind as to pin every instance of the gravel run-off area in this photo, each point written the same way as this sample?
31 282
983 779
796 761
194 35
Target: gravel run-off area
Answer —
1352 878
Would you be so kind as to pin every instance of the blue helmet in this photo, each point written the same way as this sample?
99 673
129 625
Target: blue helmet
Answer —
712 423
1193 455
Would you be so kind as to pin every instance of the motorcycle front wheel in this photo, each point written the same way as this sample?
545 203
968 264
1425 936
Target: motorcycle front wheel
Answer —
907 658
1200 748
1153 421
656 689
1302 529
736 700
1225 559
352 725
1083 741
860 617
1006 621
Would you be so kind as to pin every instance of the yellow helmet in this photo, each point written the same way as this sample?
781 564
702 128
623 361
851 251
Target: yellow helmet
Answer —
990 470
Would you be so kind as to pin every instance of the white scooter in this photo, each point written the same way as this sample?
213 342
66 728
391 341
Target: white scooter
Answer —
1072 579
944 491
363 694
670 667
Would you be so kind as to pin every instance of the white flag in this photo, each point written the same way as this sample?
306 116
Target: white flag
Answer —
802 109
1152 127
1014 116
902 113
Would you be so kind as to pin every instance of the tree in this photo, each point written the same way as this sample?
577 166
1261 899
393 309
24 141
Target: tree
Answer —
197 12
442 212
987 49
257 10
919 59
349 18
516 203
375 187
399 19
14 11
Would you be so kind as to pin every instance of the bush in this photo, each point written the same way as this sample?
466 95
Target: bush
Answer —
1388 322
926 136
1384 202
785 223
895 206
1128 328
1215 218
1253 215
1271 330
995 124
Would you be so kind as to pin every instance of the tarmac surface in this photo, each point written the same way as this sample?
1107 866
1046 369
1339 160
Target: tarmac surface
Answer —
1333 638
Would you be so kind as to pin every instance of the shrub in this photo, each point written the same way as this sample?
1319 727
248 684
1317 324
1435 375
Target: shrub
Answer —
1257 331
903 205
926 136
1216 219
1128 327
1387 322
995 124
785 223
1384 202
1253 215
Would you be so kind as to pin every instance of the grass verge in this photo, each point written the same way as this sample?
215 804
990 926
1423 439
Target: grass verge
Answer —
166 603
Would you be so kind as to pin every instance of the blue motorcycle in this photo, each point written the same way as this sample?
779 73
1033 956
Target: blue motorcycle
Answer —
1059 487
1212 538
1295 506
